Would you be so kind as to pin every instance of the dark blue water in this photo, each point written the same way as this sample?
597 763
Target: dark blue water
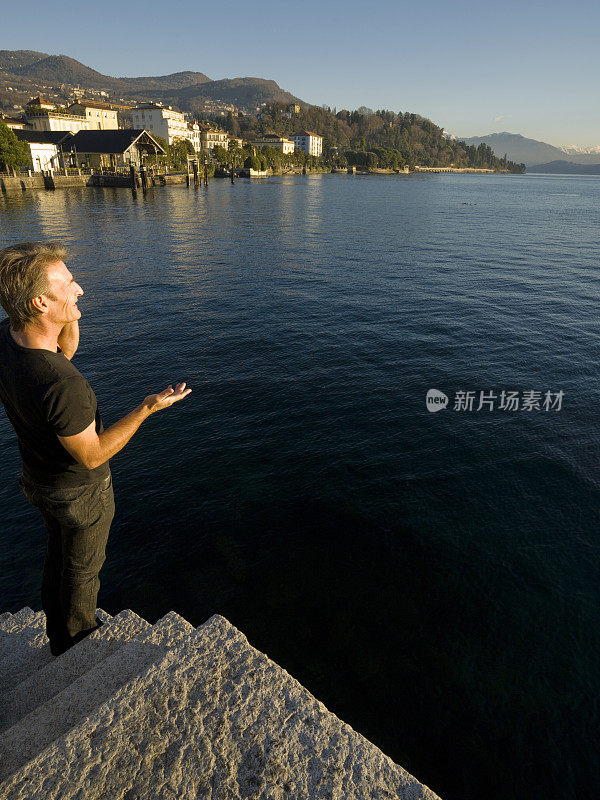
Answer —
432 578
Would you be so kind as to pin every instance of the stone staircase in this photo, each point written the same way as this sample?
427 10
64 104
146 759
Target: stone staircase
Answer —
168 711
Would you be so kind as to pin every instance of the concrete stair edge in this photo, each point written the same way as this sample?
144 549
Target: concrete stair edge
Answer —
19 742
23 645
25 649
57 673
97 737
20 617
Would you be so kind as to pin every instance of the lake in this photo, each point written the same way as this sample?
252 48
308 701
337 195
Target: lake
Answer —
432 578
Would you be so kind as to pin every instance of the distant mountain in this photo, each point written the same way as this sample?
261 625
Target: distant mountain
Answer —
528 151
186 90
176 81
574 149
14 59
56 70
518 148
247 93
566 168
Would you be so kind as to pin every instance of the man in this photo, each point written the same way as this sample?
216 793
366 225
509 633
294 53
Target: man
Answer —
64 447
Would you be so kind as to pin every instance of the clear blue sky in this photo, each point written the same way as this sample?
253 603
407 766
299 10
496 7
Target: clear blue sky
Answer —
523 67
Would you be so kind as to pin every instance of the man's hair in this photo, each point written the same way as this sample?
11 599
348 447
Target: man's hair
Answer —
23 276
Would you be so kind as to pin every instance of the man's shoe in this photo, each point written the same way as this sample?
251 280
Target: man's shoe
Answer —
58 648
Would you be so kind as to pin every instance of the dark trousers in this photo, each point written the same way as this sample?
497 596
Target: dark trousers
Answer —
78 522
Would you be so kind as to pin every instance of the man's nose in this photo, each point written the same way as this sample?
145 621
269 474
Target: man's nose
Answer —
79 290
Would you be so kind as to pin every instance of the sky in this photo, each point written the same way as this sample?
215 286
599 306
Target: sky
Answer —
473 68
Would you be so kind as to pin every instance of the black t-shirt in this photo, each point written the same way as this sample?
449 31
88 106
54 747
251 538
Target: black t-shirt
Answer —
45 395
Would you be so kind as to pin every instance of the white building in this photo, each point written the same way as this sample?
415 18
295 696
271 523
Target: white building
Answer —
42 119
278 142
194 135
45 148
100 116
209 137
165 122
311 143
12 122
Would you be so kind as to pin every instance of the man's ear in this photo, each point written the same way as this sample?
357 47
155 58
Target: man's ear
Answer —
40 303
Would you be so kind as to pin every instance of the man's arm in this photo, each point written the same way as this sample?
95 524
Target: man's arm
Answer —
91 450
68 338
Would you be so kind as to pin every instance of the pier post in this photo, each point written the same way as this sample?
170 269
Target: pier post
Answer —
133 178
144 178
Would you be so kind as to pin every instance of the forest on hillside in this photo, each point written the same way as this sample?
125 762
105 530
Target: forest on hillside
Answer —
383 139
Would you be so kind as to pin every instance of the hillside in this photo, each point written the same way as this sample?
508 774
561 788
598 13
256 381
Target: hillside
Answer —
56 70
176 81
248 94
14 59
28 72
383 139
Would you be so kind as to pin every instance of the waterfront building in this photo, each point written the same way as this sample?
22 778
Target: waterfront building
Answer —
43 119
194 135
166 122
209 137
112 149
45 148
101 116
311 143
12 123
273 140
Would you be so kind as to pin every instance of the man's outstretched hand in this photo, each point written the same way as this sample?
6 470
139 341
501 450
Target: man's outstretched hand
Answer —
156 402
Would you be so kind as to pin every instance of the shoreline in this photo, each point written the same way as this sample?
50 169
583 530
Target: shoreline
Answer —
10 185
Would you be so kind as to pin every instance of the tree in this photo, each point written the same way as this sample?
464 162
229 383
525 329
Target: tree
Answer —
232 126
220 154
253 162
13 153
165 146
179 151
396 139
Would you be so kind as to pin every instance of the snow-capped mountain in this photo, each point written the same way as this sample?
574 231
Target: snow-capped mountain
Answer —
576 149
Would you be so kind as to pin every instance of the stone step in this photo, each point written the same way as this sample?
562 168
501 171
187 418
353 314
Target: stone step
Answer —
24 740
15 622
23 650
60 672
26 650
22 630
212 718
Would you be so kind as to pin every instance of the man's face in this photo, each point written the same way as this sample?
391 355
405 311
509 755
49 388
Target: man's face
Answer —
62 300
